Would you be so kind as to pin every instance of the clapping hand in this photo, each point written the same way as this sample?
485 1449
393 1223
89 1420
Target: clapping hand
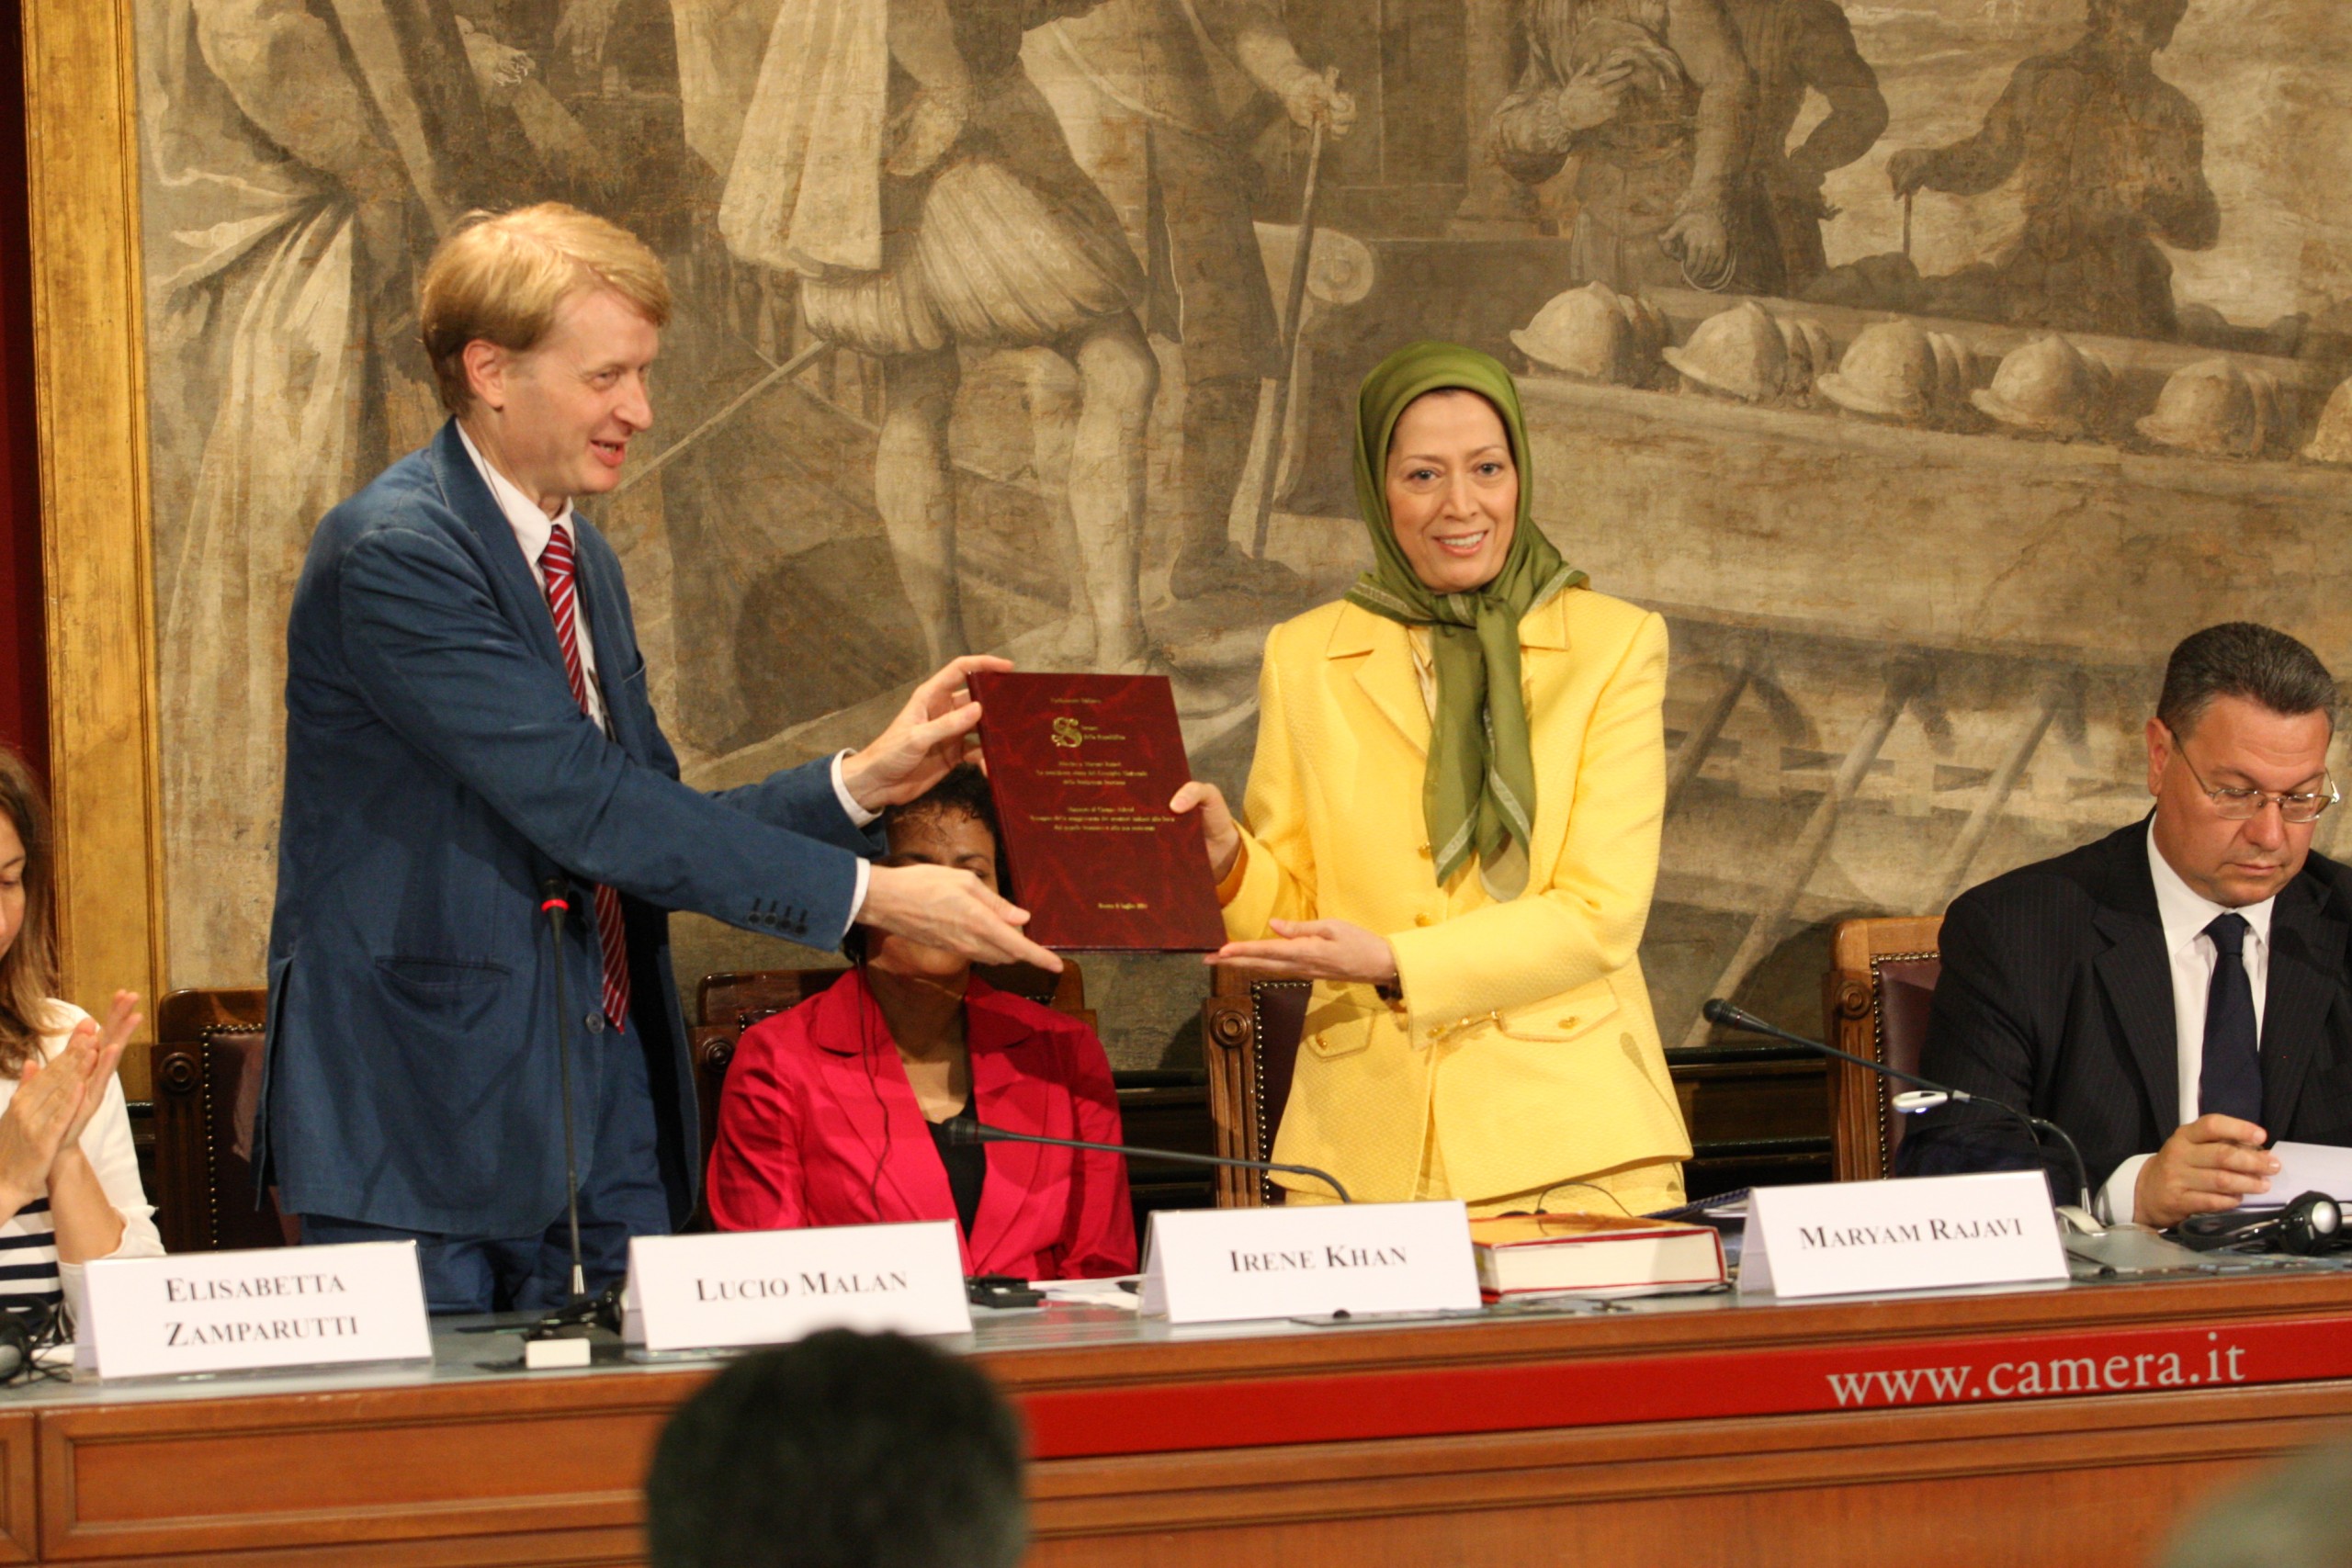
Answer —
930 735
106 1044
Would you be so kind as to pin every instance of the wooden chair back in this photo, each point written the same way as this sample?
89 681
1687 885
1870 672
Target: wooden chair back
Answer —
727 1004
207 1062
1882 977
1249 1036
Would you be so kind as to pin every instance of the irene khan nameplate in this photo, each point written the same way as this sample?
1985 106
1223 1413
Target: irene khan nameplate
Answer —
1221 1264
293 1306
701 1292
1921 1234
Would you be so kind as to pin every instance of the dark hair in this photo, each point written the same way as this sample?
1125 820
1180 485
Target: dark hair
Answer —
28 969
844 1450
963 791
2239 658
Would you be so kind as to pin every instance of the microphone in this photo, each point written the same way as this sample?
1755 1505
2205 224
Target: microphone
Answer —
1718 1011
964 1132
555 902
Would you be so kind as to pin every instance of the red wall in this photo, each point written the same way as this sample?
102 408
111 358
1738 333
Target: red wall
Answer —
24 675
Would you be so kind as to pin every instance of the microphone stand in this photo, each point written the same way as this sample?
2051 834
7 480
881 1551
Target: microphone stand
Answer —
1720 1011
555 899
961 1132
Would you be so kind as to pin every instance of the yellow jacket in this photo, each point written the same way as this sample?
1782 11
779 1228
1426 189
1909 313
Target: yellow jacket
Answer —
1524 1041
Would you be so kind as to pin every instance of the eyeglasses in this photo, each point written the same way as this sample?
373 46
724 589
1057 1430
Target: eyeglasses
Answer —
2244 804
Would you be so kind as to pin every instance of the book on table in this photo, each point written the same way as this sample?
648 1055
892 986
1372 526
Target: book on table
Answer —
1600 1255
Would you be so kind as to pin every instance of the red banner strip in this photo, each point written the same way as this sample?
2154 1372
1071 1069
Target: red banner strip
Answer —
1437 1402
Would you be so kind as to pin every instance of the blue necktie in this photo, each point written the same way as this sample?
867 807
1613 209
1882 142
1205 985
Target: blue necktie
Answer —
2229 1081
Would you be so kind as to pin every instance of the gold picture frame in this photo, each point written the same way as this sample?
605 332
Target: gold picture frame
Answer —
90 391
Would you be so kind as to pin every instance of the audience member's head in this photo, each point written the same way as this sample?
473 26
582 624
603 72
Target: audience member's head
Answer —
953 823
28 914
844 1450
2292 1516
2237 759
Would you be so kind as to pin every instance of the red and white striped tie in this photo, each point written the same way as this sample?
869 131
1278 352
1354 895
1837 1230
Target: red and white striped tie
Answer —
556 567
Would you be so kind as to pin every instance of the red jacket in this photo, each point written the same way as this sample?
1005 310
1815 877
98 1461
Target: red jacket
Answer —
818 1126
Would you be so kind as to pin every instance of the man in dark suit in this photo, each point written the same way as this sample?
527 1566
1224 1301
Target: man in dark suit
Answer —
2173 995
466 719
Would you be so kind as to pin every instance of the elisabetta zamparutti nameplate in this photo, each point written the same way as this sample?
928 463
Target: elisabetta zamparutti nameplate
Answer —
1083 768
699 1293
217 1311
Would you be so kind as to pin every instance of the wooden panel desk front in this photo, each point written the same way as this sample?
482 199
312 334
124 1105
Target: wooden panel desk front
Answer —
2061 1425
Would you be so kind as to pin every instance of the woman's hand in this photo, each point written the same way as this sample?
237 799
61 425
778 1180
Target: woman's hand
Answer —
47 1103
1216 824
1313 950
105 1046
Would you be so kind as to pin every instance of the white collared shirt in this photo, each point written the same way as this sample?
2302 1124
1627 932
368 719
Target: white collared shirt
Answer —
533 528
2186 913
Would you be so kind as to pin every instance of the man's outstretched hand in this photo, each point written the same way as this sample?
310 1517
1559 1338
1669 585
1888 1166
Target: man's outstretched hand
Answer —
930 735
947 906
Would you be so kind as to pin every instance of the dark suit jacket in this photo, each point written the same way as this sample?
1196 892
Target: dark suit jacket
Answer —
436 770
2056 996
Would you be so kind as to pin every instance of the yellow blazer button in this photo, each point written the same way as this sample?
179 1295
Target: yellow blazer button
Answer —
1425 852
1425 919
1567 1023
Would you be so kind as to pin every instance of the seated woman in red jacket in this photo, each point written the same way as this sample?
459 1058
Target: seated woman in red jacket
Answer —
835 1113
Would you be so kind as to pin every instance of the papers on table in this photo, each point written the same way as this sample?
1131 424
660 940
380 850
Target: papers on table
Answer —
2307 1168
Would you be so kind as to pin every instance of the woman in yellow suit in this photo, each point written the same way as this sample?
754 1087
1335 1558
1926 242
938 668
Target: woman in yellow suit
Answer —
1453 831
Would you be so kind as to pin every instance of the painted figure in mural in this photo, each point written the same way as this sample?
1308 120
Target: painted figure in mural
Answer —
1655 100
1794 45
1150 93
299 162
2108 157
899 161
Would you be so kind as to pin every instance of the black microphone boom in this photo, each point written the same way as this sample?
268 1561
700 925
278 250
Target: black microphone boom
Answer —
963 1132
1718 1011
555 899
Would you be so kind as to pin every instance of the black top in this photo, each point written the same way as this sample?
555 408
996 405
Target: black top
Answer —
968 1165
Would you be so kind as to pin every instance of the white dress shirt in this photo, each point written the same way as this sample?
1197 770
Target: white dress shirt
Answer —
533 528
2186 913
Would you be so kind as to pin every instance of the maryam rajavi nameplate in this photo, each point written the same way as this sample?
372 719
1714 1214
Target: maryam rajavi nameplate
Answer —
1083 768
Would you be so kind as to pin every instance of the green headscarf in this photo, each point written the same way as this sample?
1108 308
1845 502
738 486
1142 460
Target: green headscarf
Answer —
1478 793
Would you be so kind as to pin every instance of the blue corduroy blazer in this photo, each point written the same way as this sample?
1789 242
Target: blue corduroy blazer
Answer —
437 771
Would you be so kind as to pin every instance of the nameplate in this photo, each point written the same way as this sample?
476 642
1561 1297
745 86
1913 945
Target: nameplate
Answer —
1924 1232
699 1293
288 1306
1220 1265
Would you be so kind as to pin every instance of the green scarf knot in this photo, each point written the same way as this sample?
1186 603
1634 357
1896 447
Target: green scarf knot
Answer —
1478 792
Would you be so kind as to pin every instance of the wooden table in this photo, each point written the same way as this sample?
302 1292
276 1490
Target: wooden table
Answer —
2052 1426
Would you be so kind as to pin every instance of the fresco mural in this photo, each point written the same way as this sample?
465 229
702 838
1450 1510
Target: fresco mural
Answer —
1932 366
